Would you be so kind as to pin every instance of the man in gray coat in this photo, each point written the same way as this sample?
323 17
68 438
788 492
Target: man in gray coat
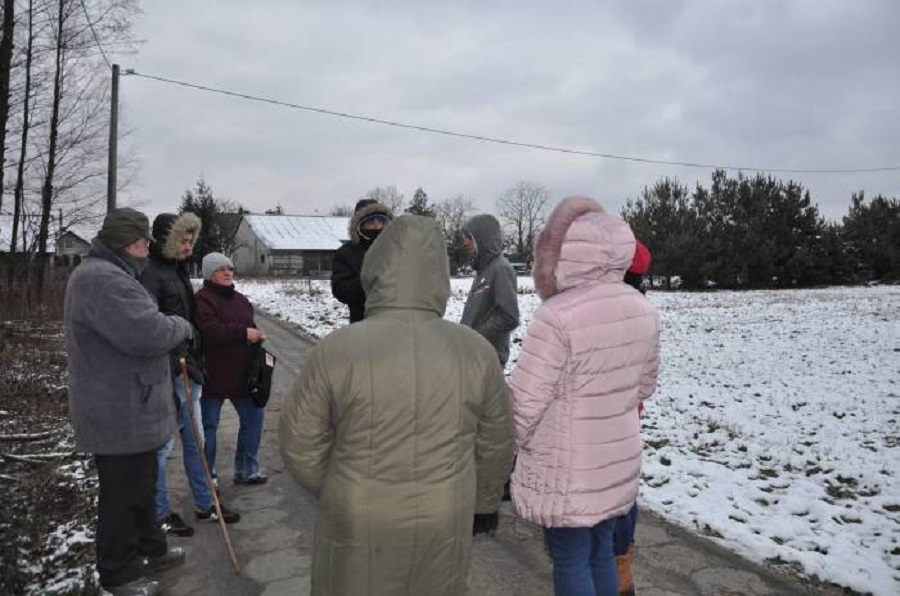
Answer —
120 398
492 308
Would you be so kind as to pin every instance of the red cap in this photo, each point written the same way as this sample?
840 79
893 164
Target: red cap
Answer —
640 264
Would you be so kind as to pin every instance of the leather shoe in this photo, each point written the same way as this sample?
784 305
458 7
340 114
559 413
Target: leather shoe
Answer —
139 587
173 558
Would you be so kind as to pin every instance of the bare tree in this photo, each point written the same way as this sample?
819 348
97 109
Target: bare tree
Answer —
523 208
341 211
72 128
18 194
6 52
388 196
451 214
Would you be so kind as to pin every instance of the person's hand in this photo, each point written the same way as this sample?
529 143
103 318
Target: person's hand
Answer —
254 335
485 523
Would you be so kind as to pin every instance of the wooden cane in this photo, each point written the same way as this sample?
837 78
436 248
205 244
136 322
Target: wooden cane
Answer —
200 447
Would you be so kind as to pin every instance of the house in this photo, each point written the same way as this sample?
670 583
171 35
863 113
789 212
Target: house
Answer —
71 247
288 245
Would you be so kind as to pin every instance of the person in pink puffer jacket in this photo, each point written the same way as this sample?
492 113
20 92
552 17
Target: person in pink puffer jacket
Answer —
590 356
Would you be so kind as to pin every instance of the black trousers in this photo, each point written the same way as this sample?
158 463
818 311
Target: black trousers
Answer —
126 517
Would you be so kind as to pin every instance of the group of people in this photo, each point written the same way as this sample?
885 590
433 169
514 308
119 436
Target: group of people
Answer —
401 424
403 427
149 358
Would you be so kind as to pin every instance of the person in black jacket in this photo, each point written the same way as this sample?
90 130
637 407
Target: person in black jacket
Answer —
369 218
166 278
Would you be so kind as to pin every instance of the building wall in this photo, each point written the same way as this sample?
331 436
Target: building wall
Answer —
250 255
70 249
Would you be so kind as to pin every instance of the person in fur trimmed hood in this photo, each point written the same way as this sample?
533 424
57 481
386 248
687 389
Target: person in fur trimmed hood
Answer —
369 218
590 356
166 278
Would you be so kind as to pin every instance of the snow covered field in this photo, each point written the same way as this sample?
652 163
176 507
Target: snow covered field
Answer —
775 426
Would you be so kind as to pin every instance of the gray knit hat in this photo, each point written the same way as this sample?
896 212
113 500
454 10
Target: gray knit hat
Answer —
213 262
123 227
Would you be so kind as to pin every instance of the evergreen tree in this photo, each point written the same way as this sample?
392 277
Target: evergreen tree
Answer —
219 219
742 233
662 219
873 231
419 204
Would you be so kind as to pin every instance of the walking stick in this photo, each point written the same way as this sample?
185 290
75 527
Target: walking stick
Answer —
196 433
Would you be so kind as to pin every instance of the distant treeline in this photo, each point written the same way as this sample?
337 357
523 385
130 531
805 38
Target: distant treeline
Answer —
760 232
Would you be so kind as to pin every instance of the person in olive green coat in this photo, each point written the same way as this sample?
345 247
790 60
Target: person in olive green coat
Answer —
401 426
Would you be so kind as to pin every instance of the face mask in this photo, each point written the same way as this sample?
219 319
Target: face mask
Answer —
368 236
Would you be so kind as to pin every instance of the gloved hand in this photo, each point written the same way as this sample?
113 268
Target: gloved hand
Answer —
485 523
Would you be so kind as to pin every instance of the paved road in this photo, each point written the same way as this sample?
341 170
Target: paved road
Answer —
273 538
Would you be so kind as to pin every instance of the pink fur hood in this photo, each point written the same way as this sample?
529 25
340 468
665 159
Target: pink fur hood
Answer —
581 242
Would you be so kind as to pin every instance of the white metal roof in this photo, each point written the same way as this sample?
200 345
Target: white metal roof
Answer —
299 232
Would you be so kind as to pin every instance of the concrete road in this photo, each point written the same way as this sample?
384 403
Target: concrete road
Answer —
274 537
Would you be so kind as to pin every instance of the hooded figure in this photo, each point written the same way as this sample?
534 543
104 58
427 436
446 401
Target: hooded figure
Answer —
640 264
369 218
401 447
589 358
492 308
166 278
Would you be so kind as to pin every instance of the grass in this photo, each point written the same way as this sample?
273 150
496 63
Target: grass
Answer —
47 491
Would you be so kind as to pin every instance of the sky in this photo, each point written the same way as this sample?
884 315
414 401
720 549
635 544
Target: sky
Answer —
760 434
797 84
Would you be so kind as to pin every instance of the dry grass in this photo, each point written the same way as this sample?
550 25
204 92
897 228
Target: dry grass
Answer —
47 492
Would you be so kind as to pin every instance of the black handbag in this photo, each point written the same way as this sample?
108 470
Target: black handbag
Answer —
259 374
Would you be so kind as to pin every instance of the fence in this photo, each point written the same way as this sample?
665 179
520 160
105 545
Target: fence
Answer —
31 288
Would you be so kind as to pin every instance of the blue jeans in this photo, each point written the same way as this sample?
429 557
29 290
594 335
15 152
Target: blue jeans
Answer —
583 560
624 535
251 418
193 466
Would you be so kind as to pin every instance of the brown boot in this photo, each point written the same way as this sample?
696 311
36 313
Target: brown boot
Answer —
623 570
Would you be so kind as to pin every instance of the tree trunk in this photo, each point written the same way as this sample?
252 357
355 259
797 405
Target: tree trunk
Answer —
19 194
6 48
47 188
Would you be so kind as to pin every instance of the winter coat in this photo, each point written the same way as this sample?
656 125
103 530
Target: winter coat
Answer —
347 265
168 282
589 357
402 446
223 316
120 389
492 308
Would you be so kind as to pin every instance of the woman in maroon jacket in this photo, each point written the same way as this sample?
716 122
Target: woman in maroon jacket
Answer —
225 320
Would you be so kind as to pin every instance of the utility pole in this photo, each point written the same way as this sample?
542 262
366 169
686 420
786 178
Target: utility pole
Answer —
113 141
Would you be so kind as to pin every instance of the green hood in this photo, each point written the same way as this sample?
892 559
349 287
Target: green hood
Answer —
406 267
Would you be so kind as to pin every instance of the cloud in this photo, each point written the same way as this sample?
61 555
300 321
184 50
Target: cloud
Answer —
775 84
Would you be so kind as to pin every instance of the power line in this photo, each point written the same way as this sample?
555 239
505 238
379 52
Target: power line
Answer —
94 32
501 141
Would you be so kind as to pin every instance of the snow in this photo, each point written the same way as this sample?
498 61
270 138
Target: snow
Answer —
774 429
300 232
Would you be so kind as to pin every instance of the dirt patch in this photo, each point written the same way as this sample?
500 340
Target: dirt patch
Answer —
47 491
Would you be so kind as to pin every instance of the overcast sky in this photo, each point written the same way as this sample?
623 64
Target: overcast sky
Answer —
791 84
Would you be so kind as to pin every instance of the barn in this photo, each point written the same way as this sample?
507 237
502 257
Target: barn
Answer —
288 245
